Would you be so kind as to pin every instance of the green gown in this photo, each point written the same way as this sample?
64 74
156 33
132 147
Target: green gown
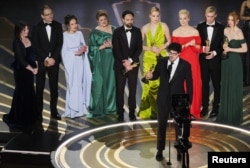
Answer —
231 106
148 108
103 95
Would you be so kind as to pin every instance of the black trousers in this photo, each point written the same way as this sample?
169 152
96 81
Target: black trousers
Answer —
131 77
210 70
163 116
53 73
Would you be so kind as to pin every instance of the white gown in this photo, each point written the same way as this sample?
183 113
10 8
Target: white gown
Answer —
78 76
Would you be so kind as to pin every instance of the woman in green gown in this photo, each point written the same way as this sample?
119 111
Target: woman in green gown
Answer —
231 106
157 38
101 59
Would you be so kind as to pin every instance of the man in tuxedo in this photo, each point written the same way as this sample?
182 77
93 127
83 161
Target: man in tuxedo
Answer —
211 33
127 47
47 41
175 75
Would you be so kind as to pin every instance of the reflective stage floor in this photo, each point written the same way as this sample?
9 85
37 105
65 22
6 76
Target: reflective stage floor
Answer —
103 142
133 144
113 145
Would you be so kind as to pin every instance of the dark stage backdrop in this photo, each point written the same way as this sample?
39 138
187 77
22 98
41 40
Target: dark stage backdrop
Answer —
85 10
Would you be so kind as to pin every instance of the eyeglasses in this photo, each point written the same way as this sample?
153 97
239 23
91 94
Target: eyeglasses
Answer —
48 14
173 54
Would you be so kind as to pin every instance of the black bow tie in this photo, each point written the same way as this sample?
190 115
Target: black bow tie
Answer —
128 30
47 24
210 25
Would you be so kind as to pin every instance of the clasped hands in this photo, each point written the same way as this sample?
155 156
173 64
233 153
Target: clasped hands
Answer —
190 43
209 54
82 50
48 62
155 50
106 44
34 71
127 64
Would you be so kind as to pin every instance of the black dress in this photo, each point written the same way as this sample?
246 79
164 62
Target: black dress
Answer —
246 56
23 112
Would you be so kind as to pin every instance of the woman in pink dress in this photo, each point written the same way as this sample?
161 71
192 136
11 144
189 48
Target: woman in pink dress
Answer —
190 40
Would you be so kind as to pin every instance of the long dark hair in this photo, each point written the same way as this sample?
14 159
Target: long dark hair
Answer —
19 27
68 18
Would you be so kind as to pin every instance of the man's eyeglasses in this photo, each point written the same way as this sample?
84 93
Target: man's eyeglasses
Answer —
48 14
173 54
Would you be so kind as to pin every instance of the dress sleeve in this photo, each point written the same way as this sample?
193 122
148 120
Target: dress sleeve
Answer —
243 41
94 53
19 51
198 40
174 39
67 54
82 41
157 70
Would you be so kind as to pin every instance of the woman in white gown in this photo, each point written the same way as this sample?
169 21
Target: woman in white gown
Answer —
77 70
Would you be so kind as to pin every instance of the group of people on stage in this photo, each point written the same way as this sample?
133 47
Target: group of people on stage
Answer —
211 51
96 74
203 48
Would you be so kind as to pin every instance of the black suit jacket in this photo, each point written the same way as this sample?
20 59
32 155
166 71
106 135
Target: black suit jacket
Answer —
121 50
176 85
42 44
216 41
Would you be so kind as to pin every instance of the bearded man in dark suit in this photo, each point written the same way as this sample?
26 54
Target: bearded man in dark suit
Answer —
127 47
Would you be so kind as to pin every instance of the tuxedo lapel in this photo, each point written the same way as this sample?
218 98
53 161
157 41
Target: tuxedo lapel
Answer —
124 36
53 33
214 33
44 31
177 71
167 76
205 31
132 38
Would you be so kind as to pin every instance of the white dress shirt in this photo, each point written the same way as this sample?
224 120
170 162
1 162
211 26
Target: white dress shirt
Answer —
174 66
210 31
48 30
128 34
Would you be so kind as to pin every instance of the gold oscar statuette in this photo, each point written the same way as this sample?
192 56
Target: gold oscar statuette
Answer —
133 65
144 79
224 54
207 42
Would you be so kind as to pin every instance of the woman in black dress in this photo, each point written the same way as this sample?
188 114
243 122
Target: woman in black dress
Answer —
23 109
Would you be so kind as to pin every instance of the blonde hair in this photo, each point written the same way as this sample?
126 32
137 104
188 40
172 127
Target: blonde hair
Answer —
211 9
154 9
185 12
100 13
